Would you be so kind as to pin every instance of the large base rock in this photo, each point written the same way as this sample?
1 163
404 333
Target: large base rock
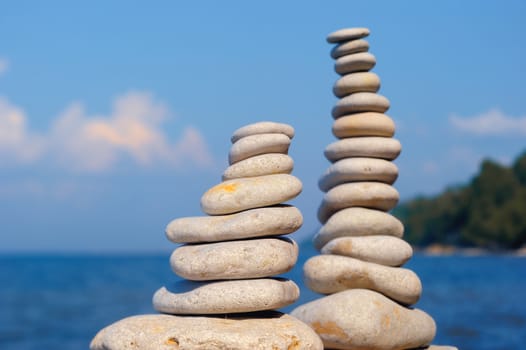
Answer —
366 320
157 332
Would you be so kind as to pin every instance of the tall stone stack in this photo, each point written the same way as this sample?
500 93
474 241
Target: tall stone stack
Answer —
228 258
368 294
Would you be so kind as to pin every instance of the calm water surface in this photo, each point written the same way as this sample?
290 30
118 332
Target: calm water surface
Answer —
60 302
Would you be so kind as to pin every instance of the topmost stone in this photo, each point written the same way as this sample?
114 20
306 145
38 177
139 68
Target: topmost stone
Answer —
263 128
347 34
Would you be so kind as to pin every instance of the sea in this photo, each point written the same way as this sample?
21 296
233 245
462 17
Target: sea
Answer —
60 301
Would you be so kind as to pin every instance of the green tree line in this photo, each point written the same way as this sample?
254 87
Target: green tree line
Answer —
488 212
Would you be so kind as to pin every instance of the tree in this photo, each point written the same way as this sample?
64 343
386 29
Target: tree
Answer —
488 212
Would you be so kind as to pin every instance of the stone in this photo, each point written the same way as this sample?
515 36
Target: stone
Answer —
254 145
356 62
439 347
349 47
356 221
374 195
363 124
253 258
356 82
347 34
264 164
360 102
247 193
364 319
367 146
358 169
269 221
383 250
272 330
328 274
225 297
262 128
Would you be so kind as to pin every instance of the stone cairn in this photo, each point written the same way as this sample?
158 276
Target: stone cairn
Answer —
227 297
369 294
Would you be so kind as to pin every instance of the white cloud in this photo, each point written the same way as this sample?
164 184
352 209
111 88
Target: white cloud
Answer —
192 147
493 122
4 65
16 143
93 143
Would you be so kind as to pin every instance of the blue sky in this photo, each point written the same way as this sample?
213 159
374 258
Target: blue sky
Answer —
115 117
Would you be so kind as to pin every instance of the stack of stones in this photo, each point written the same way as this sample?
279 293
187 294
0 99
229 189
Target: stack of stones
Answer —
369 294
228 295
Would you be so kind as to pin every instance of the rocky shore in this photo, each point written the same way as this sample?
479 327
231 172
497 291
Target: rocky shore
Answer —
446 250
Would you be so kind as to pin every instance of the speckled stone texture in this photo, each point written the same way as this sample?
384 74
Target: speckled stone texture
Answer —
252 258
383 250
264 164
268 221
223 297
359 82
264 127
168 332
253 145
363 124
328 274
366 146
247 193
358 222
347 34
357 62
364 319
360 102
358 169
367 194
350 47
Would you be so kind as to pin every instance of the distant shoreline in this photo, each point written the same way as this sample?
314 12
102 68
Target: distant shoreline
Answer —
437 249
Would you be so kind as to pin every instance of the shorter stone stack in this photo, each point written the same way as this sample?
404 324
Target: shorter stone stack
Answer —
228 259
234 252
362 250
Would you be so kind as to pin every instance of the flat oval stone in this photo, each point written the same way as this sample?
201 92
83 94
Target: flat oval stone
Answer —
247 193
356 62
347 34
328 274
374 195
349 47
360 102
356 221
225 297
440 347
254 258
262 128
356 82
370 147
264 164
383 250
363 124
254 145
364 319
269 221
358 169
272 330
